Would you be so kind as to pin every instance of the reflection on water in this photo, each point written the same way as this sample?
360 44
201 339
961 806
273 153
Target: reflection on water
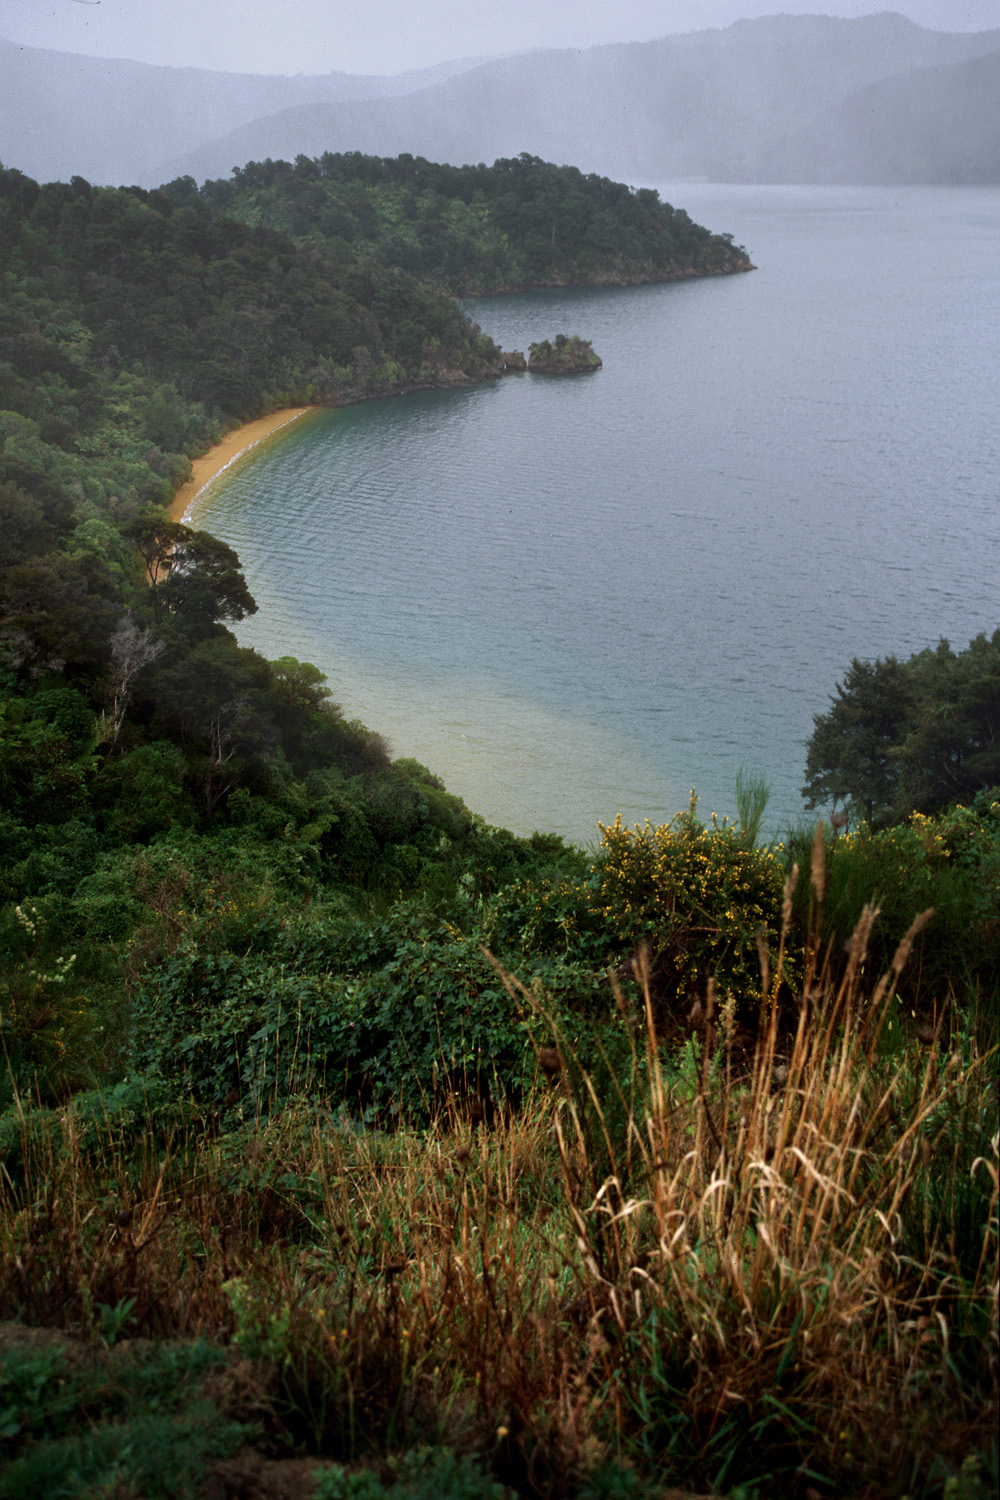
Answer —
582 596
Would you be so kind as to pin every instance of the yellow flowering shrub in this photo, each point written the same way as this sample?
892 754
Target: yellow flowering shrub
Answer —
701 897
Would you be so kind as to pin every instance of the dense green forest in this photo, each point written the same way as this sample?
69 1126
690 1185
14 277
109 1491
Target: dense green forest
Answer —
519 223
439 1159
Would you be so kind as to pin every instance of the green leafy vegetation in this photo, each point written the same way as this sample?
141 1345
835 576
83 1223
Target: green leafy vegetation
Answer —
521 222
948 865
562 356
75 1422
726 1266
640 1128
909 736
344 1135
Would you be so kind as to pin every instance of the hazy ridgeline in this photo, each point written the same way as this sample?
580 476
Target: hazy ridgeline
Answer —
784 98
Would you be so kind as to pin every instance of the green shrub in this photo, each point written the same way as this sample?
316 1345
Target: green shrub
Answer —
138 1425
555 915
43 1013
142 793
426 1474
100 1124
388 1015
950 863
700 897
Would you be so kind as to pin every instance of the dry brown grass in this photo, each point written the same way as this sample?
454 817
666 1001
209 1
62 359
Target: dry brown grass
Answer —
704 1270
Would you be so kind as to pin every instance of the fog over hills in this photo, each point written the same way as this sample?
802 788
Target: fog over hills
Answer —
115 121
929 125
783 98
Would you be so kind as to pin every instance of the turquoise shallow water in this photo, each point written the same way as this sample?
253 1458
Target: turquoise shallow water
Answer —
573 597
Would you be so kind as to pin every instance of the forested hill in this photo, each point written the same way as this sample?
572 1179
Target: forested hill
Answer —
108 293
520 223
319 282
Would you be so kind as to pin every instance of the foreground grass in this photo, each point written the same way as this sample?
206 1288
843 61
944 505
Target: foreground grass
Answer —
766 1271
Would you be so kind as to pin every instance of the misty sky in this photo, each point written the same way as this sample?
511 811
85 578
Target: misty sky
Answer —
390 36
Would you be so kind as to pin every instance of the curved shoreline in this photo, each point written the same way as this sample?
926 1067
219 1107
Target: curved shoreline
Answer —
241 439
231 447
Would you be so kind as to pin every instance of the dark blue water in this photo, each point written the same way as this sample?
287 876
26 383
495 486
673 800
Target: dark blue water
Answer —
573 597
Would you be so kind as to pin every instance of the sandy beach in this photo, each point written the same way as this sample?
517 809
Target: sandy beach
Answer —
232 446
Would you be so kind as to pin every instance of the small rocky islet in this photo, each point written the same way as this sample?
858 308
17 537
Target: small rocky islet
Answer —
563 355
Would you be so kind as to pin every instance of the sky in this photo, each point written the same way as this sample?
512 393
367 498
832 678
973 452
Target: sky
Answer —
391 36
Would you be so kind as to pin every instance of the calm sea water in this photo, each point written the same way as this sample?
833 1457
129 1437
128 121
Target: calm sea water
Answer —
574 597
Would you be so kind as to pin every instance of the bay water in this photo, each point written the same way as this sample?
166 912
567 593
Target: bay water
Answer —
574 597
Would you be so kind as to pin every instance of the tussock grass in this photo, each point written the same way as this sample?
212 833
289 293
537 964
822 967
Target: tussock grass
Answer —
776 1268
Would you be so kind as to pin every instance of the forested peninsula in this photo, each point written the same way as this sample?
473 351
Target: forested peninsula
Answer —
349 1146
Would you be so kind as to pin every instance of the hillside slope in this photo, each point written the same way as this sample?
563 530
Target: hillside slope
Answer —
930 125
50 128
717 104
722 104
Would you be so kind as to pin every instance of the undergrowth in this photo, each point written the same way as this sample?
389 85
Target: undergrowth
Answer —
753 1269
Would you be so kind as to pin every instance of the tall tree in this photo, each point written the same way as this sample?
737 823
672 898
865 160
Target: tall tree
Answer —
952 749
853 754
911 736
131 650
191 574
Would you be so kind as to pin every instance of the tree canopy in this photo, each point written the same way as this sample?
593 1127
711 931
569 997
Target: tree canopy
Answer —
912 736
518 223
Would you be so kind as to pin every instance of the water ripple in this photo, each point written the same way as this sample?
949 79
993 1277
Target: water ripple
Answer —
578 597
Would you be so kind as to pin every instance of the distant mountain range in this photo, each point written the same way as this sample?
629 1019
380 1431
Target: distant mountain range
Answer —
779 99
